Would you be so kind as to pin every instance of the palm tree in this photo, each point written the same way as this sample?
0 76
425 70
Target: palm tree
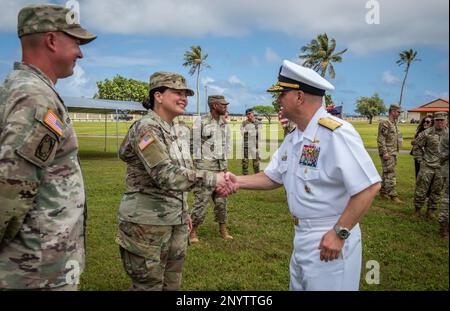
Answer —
196 62
319 55
406 57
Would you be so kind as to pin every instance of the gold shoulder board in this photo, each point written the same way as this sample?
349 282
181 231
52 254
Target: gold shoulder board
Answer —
329 123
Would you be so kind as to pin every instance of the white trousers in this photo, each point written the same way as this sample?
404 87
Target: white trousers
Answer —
309 273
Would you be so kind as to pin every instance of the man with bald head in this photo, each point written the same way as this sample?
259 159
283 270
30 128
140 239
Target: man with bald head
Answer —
42 211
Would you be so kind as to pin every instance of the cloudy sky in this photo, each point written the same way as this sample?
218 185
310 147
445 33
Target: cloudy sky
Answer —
247 39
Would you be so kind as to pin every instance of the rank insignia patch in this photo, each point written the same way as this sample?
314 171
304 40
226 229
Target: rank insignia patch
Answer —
310 155
147 141
54 123
45 148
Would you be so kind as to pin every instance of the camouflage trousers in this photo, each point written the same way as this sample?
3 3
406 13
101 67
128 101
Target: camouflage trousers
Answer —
200 206
443 212
153 256
428 179
65 288
389 181
245 161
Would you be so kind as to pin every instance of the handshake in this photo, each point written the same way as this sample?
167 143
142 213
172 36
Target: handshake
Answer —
227 183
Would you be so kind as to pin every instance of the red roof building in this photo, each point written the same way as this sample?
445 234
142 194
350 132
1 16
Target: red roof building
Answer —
439 104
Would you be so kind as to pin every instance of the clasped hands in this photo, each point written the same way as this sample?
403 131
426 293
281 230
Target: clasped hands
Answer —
227 183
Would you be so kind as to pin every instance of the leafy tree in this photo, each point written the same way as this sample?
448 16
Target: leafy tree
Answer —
406 57
266 111
120 88
328 100
320 55
370 106
196 61
275 104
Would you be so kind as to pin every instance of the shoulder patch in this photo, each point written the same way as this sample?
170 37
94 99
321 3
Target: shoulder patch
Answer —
54 123
329 123
147 141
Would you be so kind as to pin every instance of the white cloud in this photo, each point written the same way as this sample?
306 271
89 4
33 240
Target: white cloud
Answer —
403 23
389 78
272 57
79 84
435 95
120 61
206 81
234 80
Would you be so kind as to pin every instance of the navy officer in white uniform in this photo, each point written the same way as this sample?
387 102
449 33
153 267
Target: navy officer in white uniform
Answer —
330 181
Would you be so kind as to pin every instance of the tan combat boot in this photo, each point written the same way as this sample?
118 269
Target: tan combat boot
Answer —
193 238
224 232
396 200
430 214
443 230
384 196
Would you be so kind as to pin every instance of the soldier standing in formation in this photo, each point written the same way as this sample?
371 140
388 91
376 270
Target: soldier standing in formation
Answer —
388 148
213 130
42 209
251 129
443 213
426 152
153 215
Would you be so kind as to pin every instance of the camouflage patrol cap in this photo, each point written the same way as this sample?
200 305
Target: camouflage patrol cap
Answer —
220 99
171 80
395 107
41 18
441 115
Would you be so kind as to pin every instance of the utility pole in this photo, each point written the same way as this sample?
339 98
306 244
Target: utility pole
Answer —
206 99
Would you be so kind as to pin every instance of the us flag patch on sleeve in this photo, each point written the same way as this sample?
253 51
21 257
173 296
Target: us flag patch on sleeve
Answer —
147 141
54 123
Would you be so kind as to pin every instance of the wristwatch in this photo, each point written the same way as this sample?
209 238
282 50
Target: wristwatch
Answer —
342 232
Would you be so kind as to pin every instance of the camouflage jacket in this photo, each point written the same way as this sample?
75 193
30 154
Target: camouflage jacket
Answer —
42 209
443 150
427 146
251 130
214 143
159 174
388 138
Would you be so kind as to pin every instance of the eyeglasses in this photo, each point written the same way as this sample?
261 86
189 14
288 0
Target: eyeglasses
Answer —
427 121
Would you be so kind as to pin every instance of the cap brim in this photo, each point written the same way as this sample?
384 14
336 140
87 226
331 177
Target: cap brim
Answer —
188 91
82 34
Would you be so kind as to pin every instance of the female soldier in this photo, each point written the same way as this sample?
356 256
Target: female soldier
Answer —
153 214
425 123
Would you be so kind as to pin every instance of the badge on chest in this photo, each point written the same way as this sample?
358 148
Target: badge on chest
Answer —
310 155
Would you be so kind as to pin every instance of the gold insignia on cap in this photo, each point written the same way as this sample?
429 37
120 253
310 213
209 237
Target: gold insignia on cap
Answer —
291 85
329 123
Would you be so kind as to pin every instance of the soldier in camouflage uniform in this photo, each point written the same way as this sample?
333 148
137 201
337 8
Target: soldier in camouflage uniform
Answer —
213 130
251 129
42 209
443 213
388 147
153 214
426 152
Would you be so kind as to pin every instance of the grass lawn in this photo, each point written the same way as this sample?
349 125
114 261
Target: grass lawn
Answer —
410 255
